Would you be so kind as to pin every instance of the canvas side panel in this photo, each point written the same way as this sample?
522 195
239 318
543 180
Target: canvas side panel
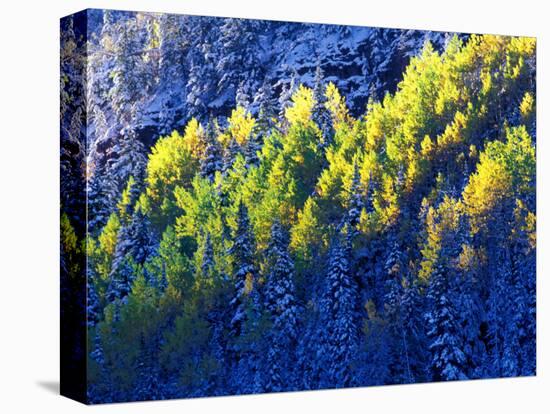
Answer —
73 121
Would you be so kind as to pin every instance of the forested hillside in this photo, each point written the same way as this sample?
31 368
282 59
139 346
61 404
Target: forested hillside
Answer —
269 235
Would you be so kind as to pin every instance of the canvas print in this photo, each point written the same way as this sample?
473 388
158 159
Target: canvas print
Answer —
255 206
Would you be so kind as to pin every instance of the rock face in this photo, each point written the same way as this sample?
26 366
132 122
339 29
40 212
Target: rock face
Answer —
150 73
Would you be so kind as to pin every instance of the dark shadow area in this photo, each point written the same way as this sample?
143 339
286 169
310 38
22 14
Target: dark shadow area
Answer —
51 386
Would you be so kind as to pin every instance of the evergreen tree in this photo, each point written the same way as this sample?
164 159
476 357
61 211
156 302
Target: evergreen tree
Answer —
242 97
400 366
320 114
339 317
252 148
230 154
101 195
444 333
132 249
238 37
264 100
93 306
128 160
285 99
413 334
147 385
121 279
172 35
244 309
281 304
202 77
211 161
97 352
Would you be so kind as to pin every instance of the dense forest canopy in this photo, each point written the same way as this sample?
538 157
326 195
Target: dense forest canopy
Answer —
294 242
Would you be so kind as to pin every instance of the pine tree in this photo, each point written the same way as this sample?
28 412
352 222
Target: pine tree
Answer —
128 160
320 114
339 317
202 77
252 147
172 35
238 37
211 161
147 384
400 366
285 99
519 342
99 390
132 249
281 304
413 334
230 154
242 97
244 309
264 101
97 352
444 333
93 307
130 76
243 254
101 195
121 279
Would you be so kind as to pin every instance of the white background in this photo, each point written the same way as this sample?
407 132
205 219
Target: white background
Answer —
29 145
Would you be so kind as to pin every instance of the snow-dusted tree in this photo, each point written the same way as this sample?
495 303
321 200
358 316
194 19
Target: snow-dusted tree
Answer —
285 98
242 97
212 160
132 249
244 309
245 271
237 57
202 78
128 159
93 307
141 237
230 153
147 385
413 334
121 279
101 193
130 74
266 105
252 147
281 305
320 114
172 47
523 293
97 352
444 332
339 316
398 352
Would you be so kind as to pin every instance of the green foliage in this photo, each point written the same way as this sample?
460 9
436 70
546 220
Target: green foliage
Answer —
505 170
124 205
103 254
172 162
70 246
